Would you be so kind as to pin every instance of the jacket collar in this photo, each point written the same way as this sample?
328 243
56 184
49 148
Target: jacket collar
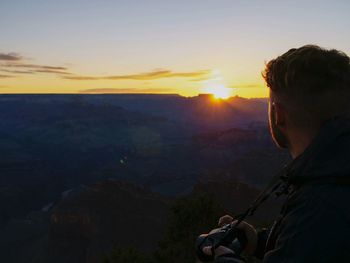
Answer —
327 155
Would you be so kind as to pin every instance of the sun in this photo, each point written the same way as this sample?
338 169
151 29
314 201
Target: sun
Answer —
221 92
214 85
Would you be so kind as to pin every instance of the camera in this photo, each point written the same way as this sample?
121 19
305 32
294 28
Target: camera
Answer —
228 236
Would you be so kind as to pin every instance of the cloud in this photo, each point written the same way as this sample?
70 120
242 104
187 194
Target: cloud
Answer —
127 90
159 74
200 79
14 64
81 78
51 71
17 71
10 56
249 86
33 66
14 60
5 76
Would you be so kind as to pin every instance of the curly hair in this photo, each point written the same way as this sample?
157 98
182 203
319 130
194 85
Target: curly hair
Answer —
312 78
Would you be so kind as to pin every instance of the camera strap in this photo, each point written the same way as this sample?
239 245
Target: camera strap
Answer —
277 185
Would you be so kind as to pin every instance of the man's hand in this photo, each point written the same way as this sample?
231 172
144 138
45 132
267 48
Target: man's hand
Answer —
250 233
249 230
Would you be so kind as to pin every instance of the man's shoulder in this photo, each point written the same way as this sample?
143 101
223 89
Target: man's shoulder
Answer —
324 192
314 226
327 198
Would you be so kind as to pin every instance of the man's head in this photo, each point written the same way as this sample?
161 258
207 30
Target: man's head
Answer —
308 86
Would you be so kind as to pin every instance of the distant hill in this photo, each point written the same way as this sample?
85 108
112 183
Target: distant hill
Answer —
61 141
193 110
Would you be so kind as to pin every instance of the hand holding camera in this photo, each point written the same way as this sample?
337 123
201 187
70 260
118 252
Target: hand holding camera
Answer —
228 243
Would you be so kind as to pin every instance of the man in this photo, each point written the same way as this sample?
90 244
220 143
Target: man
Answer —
309 102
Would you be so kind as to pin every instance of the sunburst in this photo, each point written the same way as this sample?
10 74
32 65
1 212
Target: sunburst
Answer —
214 85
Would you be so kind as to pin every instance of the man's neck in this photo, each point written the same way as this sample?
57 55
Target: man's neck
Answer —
300 140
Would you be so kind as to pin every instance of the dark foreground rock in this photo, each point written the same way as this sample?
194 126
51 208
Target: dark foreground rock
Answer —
108 214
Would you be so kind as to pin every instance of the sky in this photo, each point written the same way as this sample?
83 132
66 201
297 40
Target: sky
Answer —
157 46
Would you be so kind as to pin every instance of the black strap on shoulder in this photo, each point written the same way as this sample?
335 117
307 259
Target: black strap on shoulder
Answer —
276 183
279 185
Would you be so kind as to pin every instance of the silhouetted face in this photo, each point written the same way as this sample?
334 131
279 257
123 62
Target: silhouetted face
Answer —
277 135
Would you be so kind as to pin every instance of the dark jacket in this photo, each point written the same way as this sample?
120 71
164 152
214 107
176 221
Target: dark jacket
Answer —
314 225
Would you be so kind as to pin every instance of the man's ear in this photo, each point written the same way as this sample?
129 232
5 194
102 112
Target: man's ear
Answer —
280 114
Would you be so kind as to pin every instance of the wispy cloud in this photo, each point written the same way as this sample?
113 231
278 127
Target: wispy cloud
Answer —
16 64
159 74
130 90
10 56
5 76
34 66
51 71
17 71
245 86
81 78
200 79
